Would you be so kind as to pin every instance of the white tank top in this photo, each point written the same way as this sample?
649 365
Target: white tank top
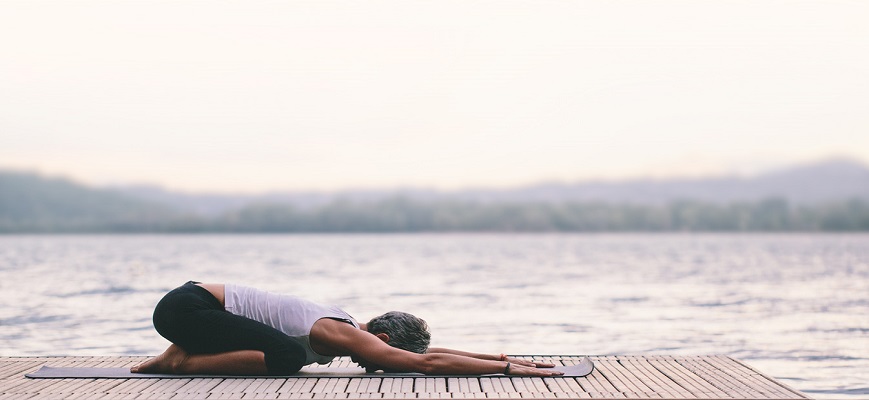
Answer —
291 315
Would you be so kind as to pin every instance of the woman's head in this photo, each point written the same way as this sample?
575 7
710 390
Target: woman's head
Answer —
405 331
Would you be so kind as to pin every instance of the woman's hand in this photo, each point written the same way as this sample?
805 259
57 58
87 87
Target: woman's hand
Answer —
524 370
526 363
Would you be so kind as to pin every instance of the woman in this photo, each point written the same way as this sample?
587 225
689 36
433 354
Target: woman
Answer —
236 330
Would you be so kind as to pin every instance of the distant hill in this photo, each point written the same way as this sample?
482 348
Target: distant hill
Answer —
33 203
828 196
821 182
826 181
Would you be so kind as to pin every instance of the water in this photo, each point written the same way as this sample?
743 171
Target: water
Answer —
793 306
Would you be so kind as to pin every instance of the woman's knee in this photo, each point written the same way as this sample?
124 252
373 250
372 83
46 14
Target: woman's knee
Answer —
184 312
166 317
286 360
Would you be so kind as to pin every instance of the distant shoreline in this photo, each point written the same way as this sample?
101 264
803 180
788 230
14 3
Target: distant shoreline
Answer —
825 197
406 216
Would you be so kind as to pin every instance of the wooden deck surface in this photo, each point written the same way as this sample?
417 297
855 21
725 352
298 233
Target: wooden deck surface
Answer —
615 377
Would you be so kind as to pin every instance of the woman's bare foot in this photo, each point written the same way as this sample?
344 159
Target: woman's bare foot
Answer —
167 363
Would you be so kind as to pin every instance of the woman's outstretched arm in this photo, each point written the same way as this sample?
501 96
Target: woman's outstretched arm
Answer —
374 352
493 357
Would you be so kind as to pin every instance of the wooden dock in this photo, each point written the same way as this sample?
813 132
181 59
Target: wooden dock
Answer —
615 377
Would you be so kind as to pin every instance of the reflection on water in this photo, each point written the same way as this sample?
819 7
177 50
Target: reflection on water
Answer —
794 306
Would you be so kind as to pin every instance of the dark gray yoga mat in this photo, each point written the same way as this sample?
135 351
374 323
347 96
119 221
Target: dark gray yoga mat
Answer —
583 368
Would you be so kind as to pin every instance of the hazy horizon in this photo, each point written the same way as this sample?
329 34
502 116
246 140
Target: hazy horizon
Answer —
260 96
623 180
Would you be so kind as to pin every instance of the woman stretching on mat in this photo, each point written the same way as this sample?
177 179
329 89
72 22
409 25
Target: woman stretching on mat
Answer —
228 329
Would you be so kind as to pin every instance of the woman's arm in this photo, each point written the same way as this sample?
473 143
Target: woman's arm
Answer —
366 347
465 354
499 357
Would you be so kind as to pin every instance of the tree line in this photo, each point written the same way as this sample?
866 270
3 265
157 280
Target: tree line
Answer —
408 215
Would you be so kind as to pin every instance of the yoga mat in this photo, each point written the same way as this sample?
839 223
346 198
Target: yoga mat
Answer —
583 368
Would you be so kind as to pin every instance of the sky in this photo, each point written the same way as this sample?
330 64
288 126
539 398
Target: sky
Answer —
251 96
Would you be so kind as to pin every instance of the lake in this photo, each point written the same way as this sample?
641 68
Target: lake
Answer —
794 306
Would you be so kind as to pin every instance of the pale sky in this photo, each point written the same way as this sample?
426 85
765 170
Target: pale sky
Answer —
254 96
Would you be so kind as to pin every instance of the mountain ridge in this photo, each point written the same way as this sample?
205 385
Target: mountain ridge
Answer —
829 180
832 196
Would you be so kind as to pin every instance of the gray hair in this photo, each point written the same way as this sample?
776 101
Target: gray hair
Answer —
406 331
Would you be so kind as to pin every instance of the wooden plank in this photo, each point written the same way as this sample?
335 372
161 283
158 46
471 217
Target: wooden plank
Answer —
640 377
703 385
307 385
101 386
14 369
292 385
618 376
261 395
538 384
420 385
167 385
406 385
9 385
672 385
372 385
227 385
473 385
201 385
254 386
762 386
669 386
699 366
271 385
711 386
503 385
341 385
590 384
435 385
602 381
453 385
681 377
440 385
465 385
766 380
487 385
506 385
353 385
556 385
25 386
676 380
519 384
320 386
385 385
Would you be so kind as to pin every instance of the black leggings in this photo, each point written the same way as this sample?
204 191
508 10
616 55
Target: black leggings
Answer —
193 319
